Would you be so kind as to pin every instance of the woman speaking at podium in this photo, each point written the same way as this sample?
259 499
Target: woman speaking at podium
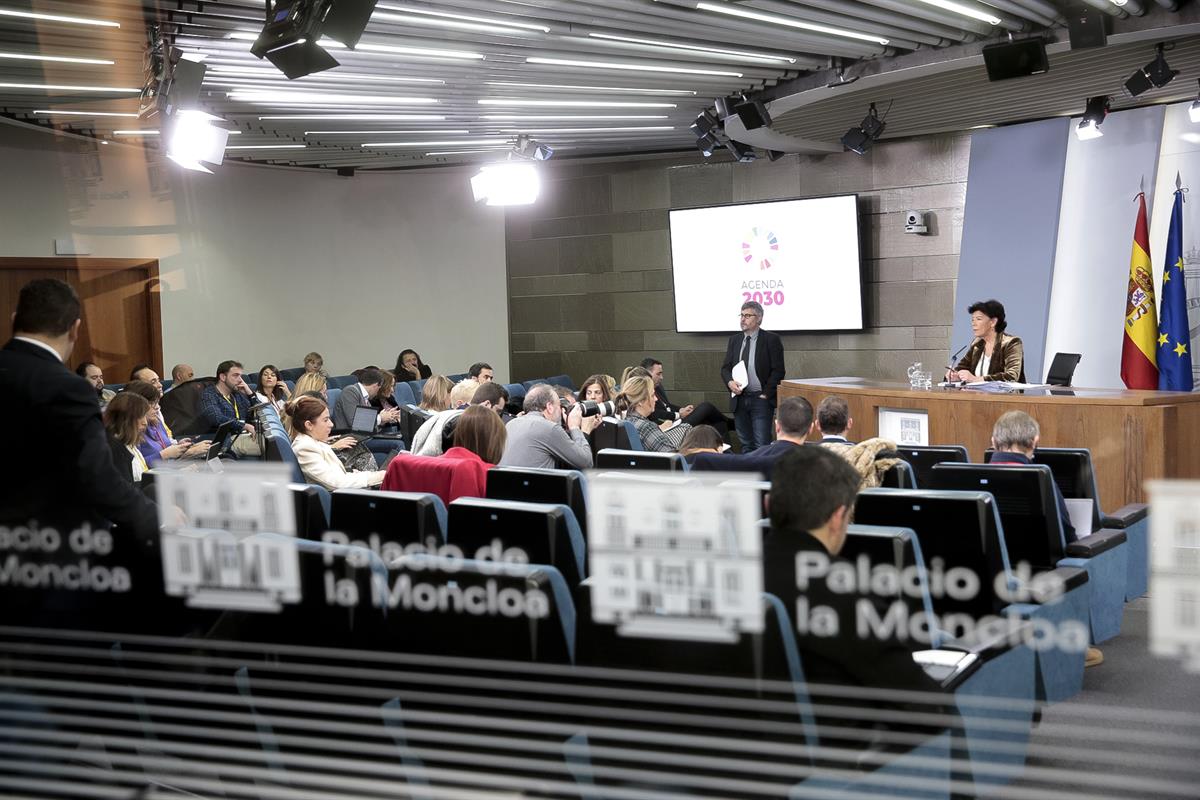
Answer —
994 355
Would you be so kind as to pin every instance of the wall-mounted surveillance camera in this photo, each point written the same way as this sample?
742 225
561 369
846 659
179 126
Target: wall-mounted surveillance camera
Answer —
915 222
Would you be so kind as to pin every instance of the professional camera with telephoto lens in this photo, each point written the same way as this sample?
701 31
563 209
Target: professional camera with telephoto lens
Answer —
591 408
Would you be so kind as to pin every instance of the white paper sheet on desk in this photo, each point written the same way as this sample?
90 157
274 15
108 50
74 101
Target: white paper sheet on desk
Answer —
740 376
1080 512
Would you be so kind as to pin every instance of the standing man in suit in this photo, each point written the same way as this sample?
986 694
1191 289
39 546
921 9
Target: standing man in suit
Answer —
61 474
361 394
762 353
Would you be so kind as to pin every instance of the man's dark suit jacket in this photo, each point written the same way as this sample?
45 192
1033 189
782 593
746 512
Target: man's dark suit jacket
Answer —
845 659
60 469
768 363
761 460
663 410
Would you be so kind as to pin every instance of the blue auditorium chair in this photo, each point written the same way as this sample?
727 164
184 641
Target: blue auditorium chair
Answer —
333 393
279 448
402 395
546 533
291 373
561 380
458 376
1034 533
417 387
167 383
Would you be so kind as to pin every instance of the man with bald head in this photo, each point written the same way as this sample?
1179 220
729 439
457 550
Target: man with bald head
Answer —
181 373
537 439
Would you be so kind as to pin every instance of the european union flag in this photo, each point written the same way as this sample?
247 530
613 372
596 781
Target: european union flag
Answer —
1174 360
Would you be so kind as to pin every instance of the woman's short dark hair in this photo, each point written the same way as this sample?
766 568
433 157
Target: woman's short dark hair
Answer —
480 430
701 437
278 392
993 309
123 415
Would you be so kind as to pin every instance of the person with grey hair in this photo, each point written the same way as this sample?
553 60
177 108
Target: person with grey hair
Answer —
834 420
537 439
761 353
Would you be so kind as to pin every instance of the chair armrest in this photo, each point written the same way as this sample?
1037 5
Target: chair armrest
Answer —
1099 542
987 642
1125 516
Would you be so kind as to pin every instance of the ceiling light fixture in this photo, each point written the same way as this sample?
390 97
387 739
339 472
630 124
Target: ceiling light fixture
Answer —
503 101
693 47
60 87
461 152
1194 110
270 74
103 23
613 89
1154 75
1093 117
454 21
423 52
389 133
570 62
53 112
266 147
860 138
568 117
966 11
451 143
592 130
57 59
488 20
788 22
136 132
292 35
707 144
358 117
511 183
192 140
269 96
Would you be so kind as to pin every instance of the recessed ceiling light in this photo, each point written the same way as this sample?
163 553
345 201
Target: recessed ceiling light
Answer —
415 51
570 62
966 11
613 89
58 59
497 149
592 130
63 113
416 16
274 74
375 133
520 117
104 23
693 47
58 87
788 22
135 132
266 147
504 101
250 96
450 143
359 117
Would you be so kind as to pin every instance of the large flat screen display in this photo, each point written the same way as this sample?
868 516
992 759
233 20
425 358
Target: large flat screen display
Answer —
798 258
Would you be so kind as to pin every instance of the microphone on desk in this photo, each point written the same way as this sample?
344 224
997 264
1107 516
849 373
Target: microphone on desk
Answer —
957 353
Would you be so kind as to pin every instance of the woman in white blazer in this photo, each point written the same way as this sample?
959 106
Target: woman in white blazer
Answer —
310 436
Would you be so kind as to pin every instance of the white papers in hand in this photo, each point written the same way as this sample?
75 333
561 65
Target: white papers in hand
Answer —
740 375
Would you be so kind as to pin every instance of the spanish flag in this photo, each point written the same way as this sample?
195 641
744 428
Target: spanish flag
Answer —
1139 369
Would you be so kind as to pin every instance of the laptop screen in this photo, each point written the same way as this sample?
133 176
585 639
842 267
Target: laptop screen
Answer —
364 419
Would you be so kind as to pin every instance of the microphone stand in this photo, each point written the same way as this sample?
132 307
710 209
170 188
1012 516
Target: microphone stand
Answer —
954 360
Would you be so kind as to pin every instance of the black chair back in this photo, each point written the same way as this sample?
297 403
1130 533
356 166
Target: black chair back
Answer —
181 407
562 486
1072 471
411 419
900 476
394 519
923 458
1062 369
1028 509
543 533
312 510
640 459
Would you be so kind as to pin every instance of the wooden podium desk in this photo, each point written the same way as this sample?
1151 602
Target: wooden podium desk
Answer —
1133 435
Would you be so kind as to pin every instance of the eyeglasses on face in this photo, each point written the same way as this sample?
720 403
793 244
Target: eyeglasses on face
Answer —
748 315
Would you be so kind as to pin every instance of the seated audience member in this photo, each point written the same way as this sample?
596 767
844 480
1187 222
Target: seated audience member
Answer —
793 424
595 389
435 395
537 438
701 414
271 389
479 435
313 362
157 444
631 372
311 426
228 398
701 439
437 433
313 383
181 373
125 421
65 476
1014 438
462 470
834 420
409 367
144 372
565 395
95 376
637 396
361 394
481 372
491 395
811 504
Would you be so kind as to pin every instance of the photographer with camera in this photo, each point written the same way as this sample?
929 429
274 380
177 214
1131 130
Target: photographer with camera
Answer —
537 438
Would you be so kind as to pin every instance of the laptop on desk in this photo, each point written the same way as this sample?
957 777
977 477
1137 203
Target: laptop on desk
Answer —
363 426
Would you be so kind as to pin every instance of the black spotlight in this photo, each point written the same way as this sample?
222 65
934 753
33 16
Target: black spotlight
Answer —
1093 117
724 107
289 40
860 139
707 144
704 124
753 114
1154 75
742 152
172 82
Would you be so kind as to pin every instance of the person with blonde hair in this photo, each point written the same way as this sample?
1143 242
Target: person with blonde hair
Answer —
463 391
632 372
311 426
435 396
435 433
312 383
314 363
637 396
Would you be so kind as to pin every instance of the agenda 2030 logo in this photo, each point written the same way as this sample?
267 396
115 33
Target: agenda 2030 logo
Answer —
761 247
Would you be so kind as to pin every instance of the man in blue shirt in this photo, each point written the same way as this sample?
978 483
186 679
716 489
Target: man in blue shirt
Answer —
227 399
1014 438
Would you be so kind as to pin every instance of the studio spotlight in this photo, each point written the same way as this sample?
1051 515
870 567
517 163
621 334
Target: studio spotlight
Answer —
1093 117
192 140
172 79
509 183
859 139
705 123
724 107
293 28
753 114
742 152
1194 110
1154 75
529 149
707 144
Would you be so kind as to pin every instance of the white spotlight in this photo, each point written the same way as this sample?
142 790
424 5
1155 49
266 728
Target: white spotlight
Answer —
510 183
192 140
